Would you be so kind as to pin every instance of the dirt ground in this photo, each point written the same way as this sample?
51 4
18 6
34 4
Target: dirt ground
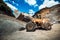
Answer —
11 25
53 34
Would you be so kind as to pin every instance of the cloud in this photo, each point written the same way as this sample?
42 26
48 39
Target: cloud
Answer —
48 3
31 12
31 2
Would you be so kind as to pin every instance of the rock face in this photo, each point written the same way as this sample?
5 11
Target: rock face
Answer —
4 9
54 14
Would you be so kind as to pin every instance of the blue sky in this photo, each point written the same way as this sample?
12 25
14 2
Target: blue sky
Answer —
31 6
24 6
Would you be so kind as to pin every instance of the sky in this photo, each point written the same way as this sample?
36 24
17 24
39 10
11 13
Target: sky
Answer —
30 6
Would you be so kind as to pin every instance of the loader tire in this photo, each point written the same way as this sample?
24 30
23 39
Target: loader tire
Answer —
47 26
30 27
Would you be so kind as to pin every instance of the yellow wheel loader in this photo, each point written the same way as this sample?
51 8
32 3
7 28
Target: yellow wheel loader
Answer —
39 21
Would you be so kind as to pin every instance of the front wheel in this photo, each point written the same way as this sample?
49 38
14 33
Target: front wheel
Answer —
30 27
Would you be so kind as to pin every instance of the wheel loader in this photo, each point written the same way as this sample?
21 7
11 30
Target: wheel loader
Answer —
37 24
39 21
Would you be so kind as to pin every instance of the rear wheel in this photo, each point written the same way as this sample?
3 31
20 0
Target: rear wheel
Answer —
47 26
30 27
